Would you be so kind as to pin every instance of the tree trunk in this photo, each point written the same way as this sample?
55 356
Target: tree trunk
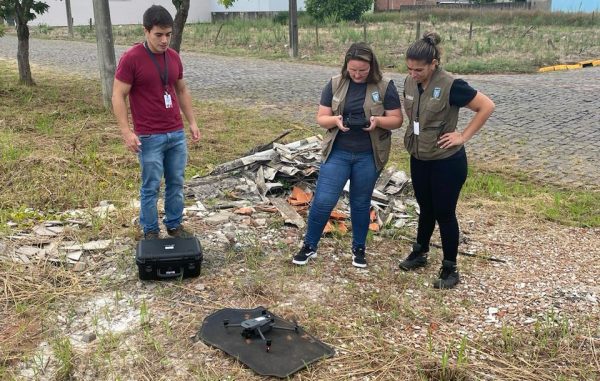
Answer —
23 54
179 24
106 49
69 18
293 28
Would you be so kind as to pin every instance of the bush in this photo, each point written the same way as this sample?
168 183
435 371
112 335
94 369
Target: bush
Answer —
350 10
281 18
1 29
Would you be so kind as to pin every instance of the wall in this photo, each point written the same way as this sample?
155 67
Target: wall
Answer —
121 11
255 6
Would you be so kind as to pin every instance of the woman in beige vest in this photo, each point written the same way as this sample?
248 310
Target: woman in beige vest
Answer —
358 109
438 162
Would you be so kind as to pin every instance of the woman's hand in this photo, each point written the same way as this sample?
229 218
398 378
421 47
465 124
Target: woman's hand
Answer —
373 121
451 139
339 122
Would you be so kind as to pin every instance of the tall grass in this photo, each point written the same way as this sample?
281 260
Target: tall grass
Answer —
484 16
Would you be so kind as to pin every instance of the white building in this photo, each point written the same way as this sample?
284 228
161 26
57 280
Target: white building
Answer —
131 11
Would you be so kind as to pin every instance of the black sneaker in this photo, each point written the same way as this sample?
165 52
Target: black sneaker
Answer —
448 276
417 258
358 258
304 255
151 235
180 232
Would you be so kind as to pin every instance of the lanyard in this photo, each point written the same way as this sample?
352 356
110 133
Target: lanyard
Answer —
164 76
420 91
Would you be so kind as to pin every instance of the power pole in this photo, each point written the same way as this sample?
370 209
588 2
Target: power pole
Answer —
293 26
106 49
69 18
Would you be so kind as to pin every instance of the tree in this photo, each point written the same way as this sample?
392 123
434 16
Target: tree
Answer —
106 49
226 3
183 7
23 11
293 23
350 10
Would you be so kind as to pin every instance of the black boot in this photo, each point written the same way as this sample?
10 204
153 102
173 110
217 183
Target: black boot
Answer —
417 258
448 277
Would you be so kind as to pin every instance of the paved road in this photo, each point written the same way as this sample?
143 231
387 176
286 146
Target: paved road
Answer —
547 125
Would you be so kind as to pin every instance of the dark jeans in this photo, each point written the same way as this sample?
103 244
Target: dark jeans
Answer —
341 166
437 185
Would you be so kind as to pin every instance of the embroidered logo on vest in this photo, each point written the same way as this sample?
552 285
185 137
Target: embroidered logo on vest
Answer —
437 93
375 96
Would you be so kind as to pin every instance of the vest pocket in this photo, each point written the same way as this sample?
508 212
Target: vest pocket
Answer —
429 137
435 110
384 146
377 109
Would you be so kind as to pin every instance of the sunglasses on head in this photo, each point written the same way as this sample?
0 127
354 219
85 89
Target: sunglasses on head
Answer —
360 52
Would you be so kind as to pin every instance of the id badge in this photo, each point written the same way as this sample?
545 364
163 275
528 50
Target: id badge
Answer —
168 101
416 128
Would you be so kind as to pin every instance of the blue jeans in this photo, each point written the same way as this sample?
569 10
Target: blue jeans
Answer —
162 154
341 166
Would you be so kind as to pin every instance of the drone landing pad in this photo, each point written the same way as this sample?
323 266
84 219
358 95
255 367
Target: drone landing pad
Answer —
289 352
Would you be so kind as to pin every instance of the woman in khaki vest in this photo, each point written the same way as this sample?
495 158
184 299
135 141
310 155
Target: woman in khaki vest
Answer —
358 109
438 163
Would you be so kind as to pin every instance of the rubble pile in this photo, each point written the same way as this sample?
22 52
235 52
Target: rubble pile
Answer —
283 178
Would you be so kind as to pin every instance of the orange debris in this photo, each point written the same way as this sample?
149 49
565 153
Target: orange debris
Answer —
299 197
246 211
328 227
338 215
373 215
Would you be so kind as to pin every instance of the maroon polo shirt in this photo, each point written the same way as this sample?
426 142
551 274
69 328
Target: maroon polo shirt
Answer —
146 98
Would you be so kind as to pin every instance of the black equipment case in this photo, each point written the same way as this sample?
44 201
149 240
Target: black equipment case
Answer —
168 258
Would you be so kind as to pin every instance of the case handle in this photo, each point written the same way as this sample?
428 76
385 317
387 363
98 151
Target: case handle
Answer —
172 275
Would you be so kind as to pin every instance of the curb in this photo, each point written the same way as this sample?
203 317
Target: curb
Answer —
578 65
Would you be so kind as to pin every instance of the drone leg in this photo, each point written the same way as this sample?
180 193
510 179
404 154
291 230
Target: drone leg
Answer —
267 342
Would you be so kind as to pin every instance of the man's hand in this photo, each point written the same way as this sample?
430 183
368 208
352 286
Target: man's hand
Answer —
195 132
132 142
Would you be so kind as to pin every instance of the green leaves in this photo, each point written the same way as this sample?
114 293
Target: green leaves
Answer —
22 10
226 3
349 10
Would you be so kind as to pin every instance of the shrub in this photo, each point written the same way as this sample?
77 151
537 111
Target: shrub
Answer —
350 10
281 18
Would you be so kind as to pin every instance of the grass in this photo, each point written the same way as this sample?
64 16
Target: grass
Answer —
57 134
509 41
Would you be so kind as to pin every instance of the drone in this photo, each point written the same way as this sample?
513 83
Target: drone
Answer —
258 326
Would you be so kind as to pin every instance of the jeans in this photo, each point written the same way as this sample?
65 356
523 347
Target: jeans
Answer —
341 166
437 185
162 154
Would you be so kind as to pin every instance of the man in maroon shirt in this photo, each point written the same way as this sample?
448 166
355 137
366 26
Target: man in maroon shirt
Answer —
151 75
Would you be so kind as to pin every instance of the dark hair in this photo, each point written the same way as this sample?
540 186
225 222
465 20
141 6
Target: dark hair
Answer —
363 52
426 49
157 15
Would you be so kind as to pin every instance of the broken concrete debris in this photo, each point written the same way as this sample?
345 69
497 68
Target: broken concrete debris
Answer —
283 179
46 242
